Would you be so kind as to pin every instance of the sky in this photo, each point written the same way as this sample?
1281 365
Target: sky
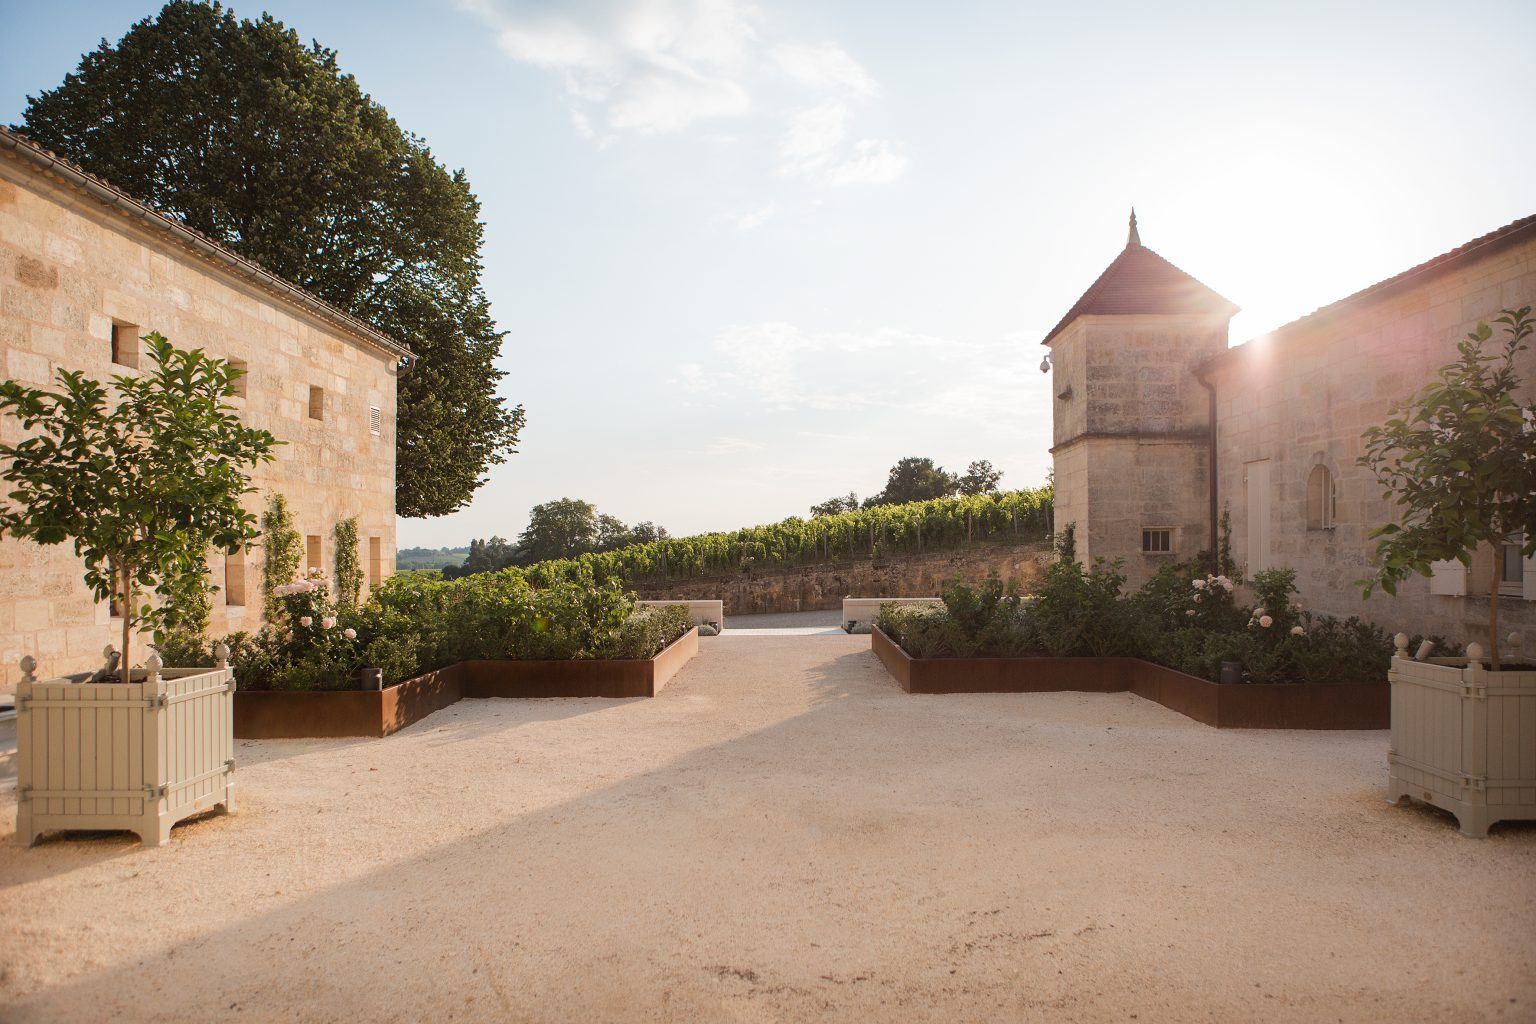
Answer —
749 255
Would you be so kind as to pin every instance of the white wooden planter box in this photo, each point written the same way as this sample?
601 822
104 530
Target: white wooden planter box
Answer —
1464 739
859 613
701 612
138 756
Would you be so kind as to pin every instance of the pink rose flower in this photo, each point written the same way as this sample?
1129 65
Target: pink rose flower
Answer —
328 622
306 621
349 633
1266 621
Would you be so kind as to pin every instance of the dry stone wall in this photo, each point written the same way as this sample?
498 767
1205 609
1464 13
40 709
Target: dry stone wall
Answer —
823 587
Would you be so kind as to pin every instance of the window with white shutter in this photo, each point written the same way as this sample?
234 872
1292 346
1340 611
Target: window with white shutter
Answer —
375 420
1448 578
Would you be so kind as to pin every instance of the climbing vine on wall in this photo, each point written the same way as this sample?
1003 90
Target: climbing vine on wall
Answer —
349 568
283 550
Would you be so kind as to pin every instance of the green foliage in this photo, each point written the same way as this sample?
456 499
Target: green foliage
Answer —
980 478
941 524
141 486
414 623
349 566
835 506
407 559
243 132
1458 459
563 528
1182 617
983 621
1079 612
914 479
182 639
283 550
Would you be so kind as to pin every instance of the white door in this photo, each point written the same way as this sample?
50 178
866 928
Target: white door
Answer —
1257 476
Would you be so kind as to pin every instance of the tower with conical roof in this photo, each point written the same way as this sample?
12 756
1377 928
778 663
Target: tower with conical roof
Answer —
1132 424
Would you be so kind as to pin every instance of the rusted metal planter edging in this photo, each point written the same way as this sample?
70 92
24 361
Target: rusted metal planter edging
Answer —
284 714
1225 706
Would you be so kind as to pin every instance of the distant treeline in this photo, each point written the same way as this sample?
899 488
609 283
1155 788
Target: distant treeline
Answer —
429 558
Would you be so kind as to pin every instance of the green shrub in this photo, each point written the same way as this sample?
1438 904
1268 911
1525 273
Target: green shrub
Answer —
416 622
1183 617
647 631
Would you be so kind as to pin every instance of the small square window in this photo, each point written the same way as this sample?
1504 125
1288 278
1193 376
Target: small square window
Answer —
375 420
125 345
241 378
316 402
1157 541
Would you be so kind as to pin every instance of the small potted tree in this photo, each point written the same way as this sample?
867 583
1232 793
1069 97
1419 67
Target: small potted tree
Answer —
1459 461
142 486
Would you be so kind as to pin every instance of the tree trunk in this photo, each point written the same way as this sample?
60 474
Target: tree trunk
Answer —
125 595
1493 604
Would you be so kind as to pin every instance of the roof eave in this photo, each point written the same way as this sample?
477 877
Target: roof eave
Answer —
116 199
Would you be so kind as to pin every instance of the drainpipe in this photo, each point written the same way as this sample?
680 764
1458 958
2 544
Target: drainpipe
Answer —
1211 467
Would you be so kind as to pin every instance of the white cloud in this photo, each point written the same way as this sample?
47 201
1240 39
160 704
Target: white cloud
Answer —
813 147
661 67
824 66
778 367
750 220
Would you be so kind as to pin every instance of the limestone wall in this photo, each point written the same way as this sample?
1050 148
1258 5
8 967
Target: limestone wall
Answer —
69 269
1305 398
823 587
1131 429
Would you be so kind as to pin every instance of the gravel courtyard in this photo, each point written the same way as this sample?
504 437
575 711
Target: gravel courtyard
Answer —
784 835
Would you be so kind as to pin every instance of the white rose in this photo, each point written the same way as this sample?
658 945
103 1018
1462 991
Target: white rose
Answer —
1199 584
1258 613
1298 631
1190 612
1266 621
306 621
349 633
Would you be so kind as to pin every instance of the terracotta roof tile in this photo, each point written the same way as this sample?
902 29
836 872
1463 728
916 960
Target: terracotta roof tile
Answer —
1141 281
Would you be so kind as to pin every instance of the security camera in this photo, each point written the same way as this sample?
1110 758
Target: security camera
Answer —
1045 364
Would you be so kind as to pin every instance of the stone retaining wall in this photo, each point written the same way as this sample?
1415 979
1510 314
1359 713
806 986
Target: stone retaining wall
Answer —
823 587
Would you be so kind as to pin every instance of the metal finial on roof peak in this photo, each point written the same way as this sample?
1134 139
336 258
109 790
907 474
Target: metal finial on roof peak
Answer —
1135 236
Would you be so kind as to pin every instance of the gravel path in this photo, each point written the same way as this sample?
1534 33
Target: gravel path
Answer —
785 835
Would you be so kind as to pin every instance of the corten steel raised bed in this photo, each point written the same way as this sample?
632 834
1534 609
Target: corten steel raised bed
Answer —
1226 706
287 714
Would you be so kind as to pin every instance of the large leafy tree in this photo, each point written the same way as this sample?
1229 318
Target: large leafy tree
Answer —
265 145
142 476
915 479
1458 459
980 478
563 528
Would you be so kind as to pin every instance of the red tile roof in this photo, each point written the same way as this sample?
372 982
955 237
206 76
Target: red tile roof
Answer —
1141 281
1480 247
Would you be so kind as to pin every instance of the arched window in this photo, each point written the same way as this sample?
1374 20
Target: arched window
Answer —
1320 499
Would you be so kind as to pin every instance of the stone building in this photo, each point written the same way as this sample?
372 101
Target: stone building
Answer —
1160 426
85 271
